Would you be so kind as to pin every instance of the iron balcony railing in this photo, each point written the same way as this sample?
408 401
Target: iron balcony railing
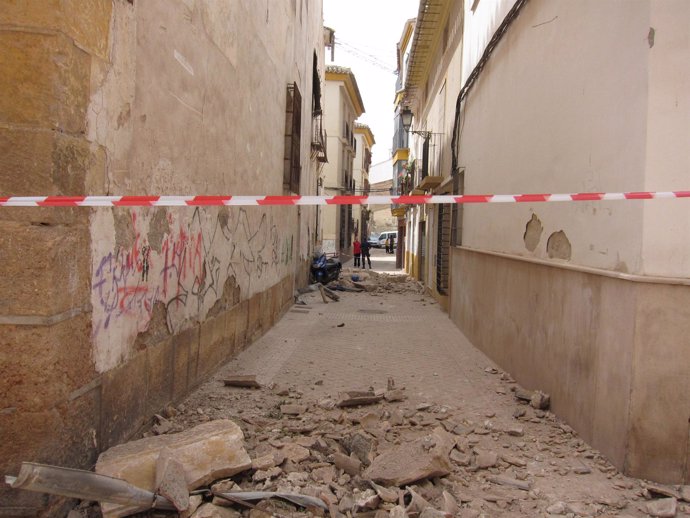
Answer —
318 138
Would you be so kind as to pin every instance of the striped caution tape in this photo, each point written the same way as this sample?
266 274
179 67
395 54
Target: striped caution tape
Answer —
208 201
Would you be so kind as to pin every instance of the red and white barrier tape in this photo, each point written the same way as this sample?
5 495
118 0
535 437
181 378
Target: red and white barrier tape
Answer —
184 201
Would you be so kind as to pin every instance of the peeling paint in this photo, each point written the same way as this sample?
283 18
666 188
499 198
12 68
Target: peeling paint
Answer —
533 231
558 246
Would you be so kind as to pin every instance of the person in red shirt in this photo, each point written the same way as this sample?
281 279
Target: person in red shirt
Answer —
357 251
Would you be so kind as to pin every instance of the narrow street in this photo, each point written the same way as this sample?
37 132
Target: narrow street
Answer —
509 459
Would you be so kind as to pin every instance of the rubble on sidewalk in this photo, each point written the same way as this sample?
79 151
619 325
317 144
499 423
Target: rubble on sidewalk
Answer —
207 452
383 452
375 283
423 458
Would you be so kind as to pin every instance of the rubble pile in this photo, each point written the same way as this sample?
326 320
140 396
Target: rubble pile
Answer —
377 453
375 283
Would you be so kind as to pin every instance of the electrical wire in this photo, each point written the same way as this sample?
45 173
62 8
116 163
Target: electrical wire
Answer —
365 56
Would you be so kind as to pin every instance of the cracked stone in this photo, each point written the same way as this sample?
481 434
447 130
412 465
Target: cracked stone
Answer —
663 508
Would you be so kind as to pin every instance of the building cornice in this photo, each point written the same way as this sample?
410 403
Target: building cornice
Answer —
336 73
428 33
365 131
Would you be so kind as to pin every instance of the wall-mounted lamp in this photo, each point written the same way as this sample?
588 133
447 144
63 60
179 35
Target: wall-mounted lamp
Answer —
406 117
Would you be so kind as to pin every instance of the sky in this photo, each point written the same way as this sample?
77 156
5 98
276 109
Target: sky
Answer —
366 34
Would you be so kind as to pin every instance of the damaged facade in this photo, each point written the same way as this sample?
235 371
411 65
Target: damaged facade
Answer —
587 301
108 315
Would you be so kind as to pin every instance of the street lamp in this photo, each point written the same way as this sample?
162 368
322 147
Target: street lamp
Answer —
406 117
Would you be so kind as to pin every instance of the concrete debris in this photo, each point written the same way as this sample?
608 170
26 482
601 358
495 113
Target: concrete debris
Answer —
214 511
170 480
268 461
293 409
386 494
663 508
195 502
398 512
579 509
417 460
513 460
350 465
295 452
358 398
367 500
685 493
162 425
261 475
511 482
396 453
361 446
656 491
558 508
394 395
208 452
434 513
248 381
540 400
485 459
417 502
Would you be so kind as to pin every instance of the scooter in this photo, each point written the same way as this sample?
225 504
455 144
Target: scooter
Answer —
325 270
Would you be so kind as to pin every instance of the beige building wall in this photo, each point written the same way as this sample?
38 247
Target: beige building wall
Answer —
111 314
584 300
343 106
362 162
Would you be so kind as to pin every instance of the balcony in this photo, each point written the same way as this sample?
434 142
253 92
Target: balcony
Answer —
318 139
429 182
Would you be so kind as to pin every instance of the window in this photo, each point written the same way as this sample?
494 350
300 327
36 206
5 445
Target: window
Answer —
292 166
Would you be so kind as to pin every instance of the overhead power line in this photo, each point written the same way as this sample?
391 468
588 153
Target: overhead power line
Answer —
365 56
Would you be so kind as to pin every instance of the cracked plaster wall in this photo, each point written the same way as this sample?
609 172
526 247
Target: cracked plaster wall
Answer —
610 120
192 101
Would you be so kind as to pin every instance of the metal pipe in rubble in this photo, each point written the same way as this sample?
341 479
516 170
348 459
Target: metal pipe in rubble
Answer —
85 485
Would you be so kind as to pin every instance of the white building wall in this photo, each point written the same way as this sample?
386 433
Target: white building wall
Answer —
561 107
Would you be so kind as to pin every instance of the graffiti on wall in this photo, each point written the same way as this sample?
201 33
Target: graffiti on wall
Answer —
187 269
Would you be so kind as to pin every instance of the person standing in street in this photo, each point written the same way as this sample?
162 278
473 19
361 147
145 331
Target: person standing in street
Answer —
388 245
391 245
356 250
365 254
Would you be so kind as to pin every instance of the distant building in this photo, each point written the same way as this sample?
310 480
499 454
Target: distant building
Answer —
364 141
343 106
381 217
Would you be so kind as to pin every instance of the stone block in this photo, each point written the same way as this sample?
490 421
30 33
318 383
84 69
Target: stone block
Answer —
52 91
87 22
423 458
46 162
44 270
123 400
43 365
185 347
160 368
208 452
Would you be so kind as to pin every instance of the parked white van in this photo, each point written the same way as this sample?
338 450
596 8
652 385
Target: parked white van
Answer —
387 234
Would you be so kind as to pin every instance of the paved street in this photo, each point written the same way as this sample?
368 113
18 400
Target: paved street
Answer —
509 460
